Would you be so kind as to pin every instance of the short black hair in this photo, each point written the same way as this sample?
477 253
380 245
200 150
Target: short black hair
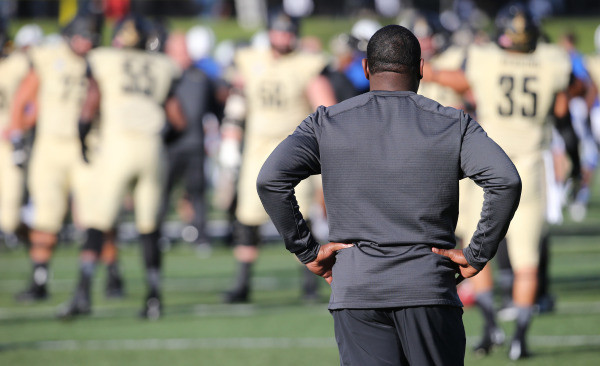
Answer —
394 48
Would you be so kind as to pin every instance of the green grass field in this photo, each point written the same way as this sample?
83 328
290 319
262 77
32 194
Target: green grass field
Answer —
277 328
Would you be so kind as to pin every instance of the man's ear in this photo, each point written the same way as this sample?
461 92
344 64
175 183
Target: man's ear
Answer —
421 69
365 66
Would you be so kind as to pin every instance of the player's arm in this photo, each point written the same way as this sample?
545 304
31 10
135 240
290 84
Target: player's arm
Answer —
89 110
22 116
561 104
320 92
24 98
454 79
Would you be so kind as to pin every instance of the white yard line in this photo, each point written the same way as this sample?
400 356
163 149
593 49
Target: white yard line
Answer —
252 343
206 310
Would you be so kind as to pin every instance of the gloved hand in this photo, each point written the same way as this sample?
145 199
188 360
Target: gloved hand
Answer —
230 156
19 154
84 129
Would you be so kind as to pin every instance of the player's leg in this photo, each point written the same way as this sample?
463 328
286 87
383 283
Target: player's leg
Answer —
12 182
40 254
492 334
107 196
471 201
431 335
48 190
80 303
368 337
523 240
246 239
86 186
588 155
505 275
110 258
196 188
147 193
174 169
249 214
544 300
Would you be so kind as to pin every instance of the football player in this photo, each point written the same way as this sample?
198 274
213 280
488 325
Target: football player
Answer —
13 68
132 89
593 65
281 86
582 96
514 81
437 50
56 83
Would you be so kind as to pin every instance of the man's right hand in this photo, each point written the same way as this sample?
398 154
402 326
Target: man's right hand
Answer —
457 256
323 264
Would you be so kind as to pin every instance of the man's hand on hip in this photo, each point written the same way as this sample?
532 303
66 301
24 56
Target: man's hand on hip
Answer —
323 264
457 256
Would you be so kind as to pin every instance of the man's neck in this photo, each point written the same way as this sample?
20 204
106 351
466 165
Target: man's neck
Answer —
392 81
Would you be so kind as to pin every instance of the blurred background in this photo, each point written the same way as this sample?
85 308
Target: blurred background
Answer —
280 326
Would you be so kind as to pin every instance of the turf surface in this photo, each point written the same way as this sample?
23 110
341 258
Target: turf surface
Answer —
277 328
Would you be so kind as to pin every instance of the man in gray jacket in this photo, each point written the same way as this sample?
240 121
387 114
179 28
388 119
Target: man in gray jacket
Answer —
390 161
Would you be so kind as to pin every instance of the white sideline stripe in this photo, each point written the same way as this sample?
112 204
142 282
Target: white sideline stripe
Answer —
259 343
179 344
240 310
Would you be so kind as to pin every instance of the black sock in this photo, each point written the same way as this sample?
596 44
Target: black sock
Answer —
86 274
113 270
153 280
543 278
151 250
152 261
524 315
242 282
40 274
485 302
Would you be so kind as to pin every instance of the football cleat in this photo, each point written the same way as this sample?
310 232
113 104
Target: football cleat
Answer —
491 339
152 309
32 293
518 350
114 287
79 305
236 296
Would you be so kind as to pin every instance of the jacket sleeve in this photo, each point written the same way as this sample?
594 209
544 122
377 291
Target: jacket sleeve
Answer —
488 166
295 159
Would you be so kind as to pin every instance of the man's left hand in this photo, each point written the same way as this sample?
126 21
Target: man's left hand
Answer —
323 264
457 256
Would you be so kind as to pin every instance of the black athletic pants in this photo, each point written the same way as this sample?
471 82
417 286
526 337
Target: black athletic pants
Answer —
190 167
416 336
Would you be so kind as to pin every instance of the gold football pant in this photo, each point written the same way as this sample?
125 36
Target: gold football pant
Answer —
123 162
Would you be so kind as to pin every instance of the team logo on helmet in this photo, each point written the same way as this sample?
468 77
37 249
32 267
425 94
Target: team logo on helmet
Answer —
516 29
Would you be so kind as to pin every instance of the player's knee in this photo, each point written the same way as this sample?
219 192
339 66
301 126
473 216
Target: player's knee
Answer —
245 235
93 241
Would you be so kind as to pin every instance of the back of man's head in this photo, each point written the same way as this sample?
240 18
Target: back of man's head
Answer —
394 48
